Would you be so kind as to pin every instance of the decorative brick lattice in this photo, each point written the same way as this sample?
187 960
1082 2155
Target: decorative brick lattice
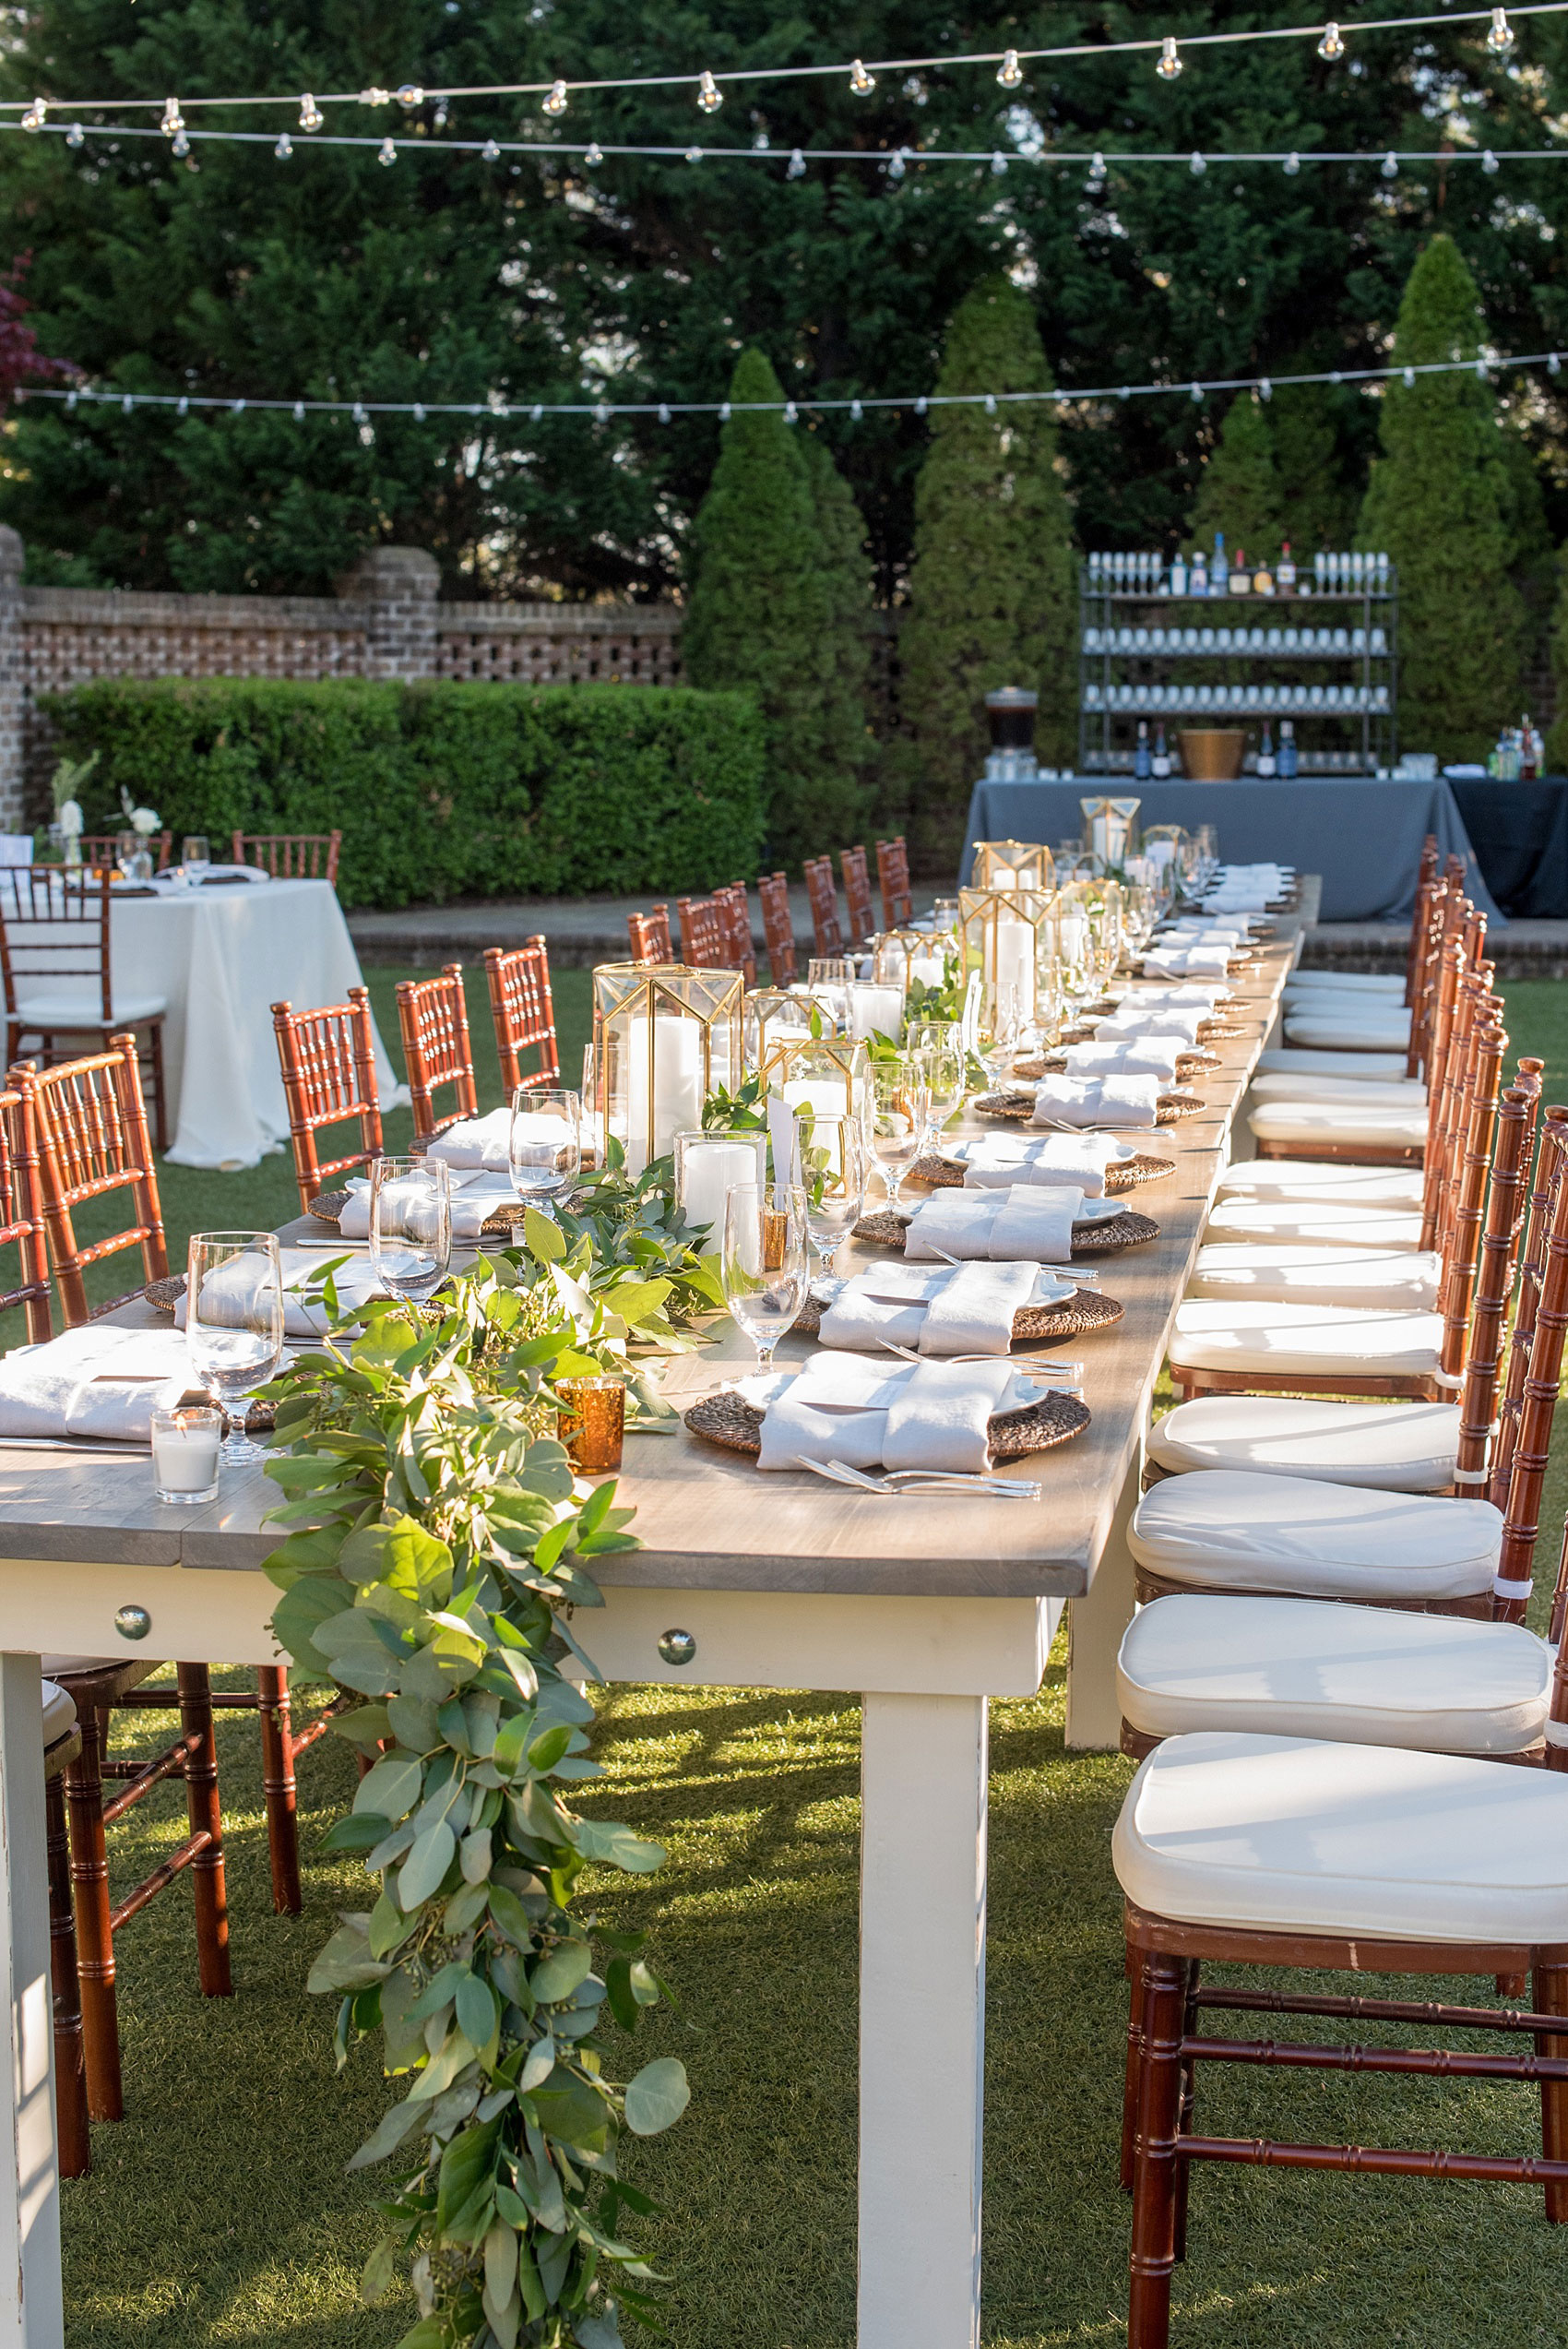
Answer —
559 644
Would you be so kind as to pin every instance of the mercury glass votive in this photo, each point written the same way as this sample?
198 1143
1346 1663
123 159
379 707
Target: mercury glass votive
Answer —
593 1421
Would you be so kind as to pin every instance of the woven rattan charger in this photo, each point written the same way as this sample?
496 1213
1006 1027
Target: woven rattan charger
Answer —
1107 1236
1040 1325
735 1425
1019 1107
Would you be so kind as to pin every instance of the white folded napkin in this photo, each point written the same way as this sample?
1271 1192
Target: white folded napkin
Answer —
1097 1101
1151 1055
302 1268
1209 930
476 1193
1201 993
1177 962
946 1309
1027 1220
101 1381
476 1141
1072 1162
1179 1022
927 1414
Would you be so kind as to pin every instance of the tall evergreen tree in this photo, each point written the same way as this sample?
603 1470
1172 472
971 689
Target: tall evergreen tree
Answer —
1239 491
1311 452
1557 735
847 570
991 588
761 614
1442 502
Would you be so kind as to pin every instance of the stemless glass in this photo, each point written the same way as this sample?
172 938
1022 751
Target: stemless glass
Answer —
764 1263
233 1323
942 1043
833 1160
195 857
899 1107
544 1147
410 1224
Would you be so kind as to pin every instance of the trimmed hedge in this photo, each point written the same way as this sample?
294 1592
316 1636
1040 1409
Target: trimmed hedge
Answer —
441 789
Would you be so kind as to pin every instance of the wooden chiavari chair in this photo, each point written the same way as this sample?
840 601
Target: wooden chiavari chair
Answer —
54 958
650 934
705 937
734 904
89 1120
523 1012
327 1058
1420 919
1550 1161
822 895
433 1019
21 1215
62 1745
857 894
893 880
778 928
100 851
290 856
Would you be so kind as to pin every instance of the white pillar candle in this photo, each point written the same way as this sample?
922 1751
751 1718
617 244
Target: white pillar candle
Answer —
1015 964
185 1457
677 1086
874 1008
710 1171
824 1097
926 971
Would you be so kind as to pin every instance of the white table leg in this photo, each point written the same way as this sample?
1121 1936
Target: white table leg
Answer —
922 2019
1095 1625
32 2315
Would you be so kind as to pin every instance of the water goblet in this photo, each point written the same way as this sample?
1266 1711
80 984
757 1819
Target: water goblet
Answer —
233 1323
942 1043
899 1106
195 857
763 1267
834 1166
544 1147
410 1224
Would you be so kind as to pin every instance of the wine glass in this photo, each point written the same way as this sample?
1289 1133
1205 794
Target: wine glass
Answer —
544 1147
764 1264
942 1043
195 857
234 1323
411 1223
899 1107
834 1165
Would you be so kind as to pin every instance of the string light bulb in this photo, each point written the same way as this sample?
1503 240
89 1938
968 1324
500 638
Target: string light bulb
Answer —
1391 165
594 155
791 413
373 97
1500 39
284 148
489 152
797 165
409 96
998 165
1489 162
1197 164
1331 47
860 82
1292 164
387 152
311 115
75 136
1169 64
179 143
694 154
1010 73
663 412
709 96
173 121
34 117
1553 364
895 166
557 101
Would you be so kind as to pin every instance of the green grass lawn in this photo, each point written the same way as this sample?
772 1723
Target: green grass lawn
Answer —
218 2211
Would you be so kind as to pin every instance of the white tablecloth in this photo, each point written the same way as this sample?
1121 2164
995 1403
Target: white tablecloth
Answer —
221 957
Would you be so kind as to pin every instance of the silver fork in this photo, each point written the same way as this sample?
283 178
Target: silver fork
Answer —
1063 1271
1063 1377
921 1479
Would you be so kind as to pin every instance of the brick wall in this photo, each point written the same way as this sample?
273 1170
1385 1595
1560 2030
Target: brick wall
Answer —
385 621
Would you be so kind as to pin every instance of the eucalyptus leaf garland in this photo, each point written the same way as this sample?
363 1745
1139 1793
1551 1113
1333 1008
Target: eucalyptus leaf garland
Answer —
437 1548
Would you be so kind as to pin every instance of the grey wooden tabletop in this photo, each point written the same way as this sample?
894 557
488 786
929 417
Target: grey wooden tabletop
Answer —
708 1519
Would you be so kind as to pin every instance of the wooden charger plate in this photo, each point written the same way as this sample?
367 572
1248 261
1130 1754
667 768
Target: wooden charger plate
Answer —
1106 1237
1075 1317
1020 1107
1054 1064
934 1173
327 1207
736 1424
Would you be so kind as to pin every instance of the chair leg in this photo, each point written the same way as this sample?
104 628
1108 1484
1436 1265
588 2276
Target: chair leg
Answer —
1189 2102
70 2063
277 1780
1154 2157
1551 1993
159 1109
95 1936
1132 2073
206 1818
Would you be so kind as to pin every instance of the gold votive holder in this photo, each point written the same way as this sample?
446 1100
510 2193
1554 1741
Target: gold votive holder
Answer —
593 1421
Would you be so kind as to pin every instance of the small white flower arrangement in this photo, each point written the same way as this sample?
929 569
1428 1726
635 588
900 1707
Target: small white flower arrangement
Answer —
144 820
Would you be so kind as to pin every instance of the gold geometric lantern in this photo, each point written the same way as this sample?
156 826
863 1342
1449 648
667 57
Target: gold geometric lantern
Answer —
1110 830
664 1038
1009 937
774 1013
830 1074
905 957
1024 864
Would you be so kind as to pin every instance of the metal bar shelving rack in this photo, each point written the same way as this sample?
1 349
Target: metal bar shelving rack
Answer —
1253 658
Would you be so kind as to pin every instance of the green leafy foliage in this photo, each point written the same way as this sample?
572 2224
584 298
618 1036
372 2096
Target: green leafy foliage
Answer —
445 789
437 1544
1239 488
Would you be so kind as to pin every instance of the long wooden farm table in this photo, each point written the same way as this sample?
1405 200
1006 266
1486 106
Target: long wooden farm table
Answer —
924 1609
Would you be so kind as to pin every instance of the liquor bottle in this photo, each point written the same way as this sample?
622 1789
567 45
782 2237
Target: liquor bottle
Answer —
1159 764
1197 582
1267 762
1288 766
1142 762
1263 578
1177 574
1528 738
1286 575
1219 568
1241 578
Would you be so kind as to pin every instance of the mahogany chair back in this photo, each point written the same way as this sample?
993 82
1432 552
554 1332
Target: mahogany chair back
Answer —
433 1017
1517 1115
327 1058
1477 1011
102 849
523 1013
91 1124
893 879
1532 1264
290 856
735 903
21 1214
650 934
822 895
54 964
857 894
1426 881
704 934
1461 1237
778 928
1538 1407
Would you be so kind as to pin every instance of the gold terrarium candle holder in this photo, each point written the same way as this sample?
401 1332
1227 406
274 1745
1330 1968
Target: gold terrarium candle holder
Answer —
773 1014
828 1075
910 957
1111 831
664 1037
1009 938
1012 864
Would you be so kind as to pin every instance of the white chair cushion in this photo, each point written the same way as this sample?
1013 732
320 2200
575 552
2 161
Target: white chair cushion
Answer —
1264 1222
1364 1067
1283 1084
1318 1275
1395 1447
1298 1668
1305 1341
1330 1028
1354 983
1225 1530
1282 1833
1299 1179
86 1011
1343 1123
59 1713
